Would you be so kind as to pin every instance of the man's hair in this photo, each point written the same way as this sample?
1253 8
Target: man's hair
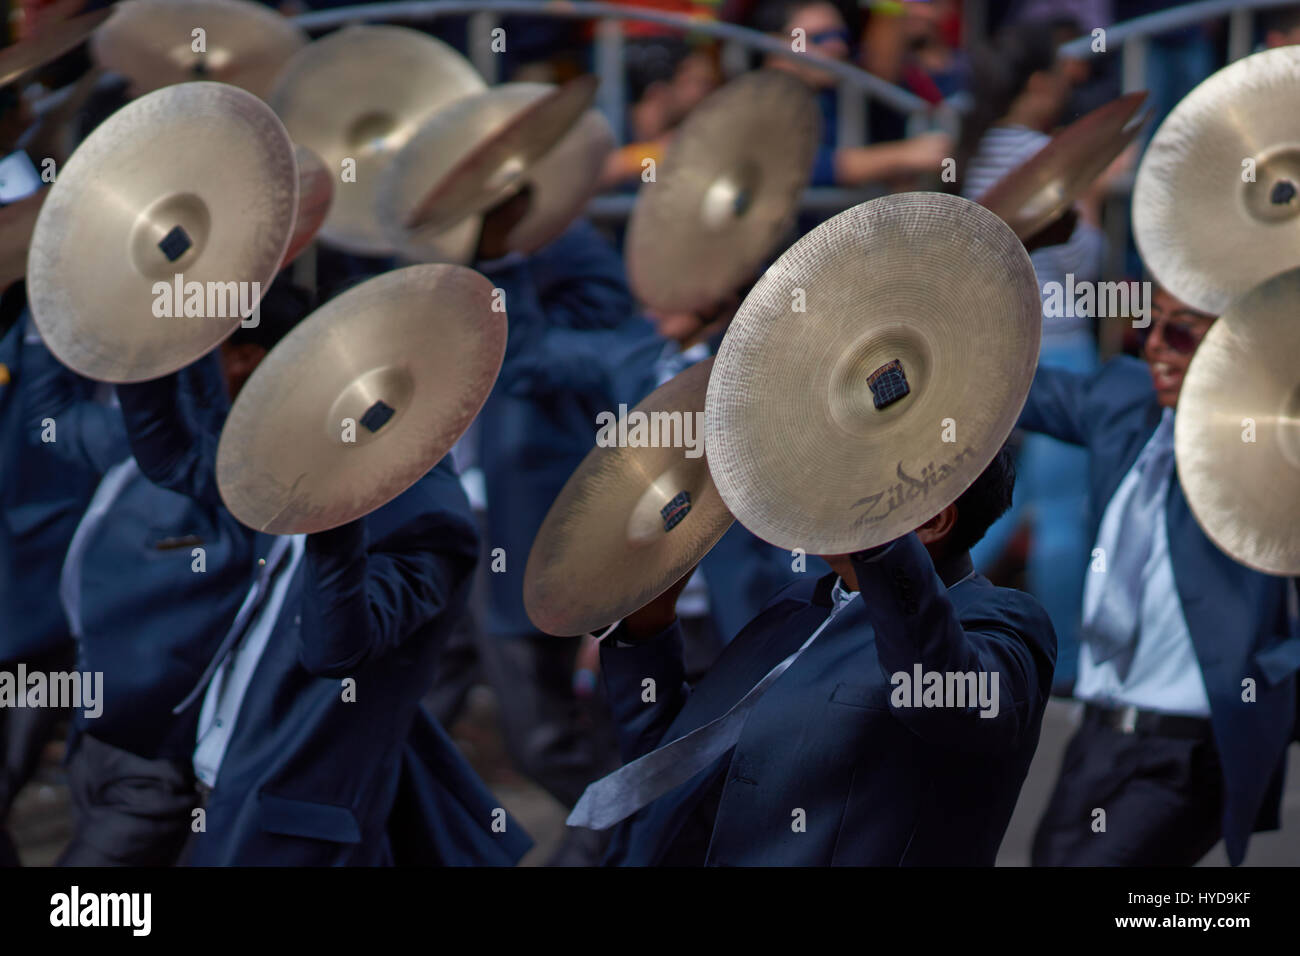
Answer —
653 60
1000 71
984 502
774 16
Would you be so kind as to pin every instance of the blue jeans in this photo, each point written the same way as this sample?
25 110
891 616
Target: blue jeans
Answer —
1052 496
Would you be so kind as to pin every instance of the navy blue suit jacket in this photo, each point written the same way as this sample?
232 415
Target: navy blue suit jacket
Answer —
150 623
309 778
41 501
1237 617
877 784
534 433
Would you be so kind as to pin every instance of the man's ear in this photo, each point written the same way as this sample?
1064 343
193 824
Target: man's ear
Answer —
938 527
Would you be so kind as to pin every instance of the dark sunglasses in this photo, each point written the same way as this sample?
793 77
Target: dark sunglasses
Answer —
1181 337
826 36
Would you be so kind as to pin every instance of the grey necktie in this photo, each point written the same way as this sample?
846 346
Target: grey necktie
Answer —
1110 619
257 596
625 791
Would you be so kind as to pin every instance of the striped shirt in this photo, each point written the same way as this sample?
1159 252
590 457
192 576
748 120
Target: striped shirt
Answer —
1001 150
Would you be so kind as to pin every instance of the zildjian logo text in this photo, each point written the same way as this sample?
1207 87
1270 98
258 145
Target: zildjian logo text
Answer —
908 488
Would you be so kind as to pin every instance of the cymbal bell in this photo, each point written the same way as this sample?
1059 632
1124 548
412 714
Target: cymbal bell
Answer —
355 98
499 153
629 522
48 45
1044 186
1216 201
852 422
562 181
17 223
315 195
152 43
195 180
408 358
1237 431
727 190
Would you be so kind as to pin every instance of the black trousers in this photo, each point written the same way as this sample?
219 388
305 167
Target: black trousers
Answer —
553 736
24 732
1162 797
130 811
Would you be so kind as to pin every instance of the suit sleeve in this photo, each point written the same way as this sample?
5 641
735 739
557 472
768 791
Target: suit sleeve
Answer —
88 434
547 349
367 598
641 724
915 623
170 450
1057 405
580 281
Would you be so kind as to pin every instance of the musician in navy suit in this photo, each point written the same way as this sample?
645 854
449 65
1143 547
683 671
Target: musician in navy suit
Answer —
838 759
41 501
312 748
1188 661
150 583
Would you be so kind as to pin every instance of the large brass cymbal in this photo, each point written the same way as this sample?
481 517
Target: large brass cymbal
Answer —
498 154
315 195
799 451
629 522
196 180
725 193
1237 431
1207 235
442 141
1043 187
562 181
17 223
152 43
409 357
479 129
48 45
361 94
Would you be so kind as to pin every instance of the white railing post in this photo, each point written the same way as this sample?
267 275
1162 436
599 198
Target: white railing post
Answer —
1240 34
479 40
609 67
851 123
1133 64
734 59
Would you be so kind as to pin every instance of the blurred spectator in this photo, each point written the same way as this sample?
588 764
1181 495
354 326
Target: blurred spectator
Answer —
821 29
666 78
915 45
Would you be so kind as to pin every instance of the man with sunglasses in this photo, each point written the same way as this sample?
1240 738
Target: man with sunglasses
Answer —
819 28
1187 667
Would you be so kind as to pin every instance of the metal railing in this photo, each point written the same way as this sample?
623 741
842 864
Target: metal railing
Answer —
855 86
1134 36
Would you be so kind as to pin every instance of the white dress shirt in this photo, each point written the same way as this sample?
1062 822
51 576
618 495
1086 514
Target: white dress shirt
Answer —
225 695
1164 674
